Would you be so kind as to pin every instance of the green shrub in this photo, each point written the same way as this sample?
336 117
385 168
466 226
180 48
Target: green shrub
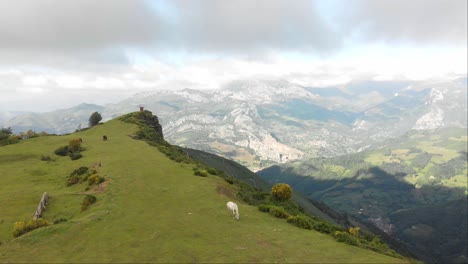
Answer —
87 201
23 227
84 178
264 208
45 158
324 227
80 171
73 180
278 212
77 176
60 220
74 145
346 237
212 171
95 179
301 221
250 194
201 173
62 151
281 191
290 206
229 180
75 155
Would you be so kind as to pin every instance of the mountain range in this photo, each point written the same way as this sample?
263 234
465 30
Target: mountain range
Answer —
259 123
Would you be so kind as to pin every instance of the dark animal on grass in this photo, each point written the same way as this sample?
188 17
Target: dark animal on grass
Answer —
104 137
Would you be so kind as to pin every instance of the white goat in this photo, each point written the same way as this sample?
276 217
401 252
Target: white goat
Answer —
231 206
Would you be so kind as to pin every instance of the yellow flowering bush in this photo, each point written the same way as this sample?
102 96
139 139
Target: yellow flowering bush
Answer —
281 191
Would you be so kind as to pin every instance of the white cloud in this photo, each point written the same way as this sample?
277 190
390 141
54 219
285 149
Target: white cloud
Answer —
69 81
76 49
107 83
34 80
33 90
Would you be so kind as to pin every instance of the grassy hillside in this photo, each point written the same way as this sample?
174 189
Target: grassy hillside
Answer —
149 209
240 172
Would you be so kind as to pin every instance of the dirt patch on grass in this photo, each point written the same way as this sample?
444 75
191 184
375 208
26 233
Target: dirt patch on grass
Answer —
224 190
100 188
264 243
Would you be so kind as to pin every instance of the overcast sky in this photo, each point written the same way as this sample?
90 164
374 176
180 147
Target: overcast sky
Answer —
59 53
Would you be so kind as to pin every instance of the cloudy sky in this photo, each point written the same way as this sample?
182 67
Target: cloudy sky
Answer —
59 53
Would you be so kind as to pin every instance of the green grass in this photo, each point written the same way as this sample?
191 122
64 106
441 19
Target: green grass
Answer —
151 210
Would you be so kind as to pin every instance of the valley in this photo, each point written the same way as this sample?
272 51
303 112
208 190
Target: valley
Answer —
408 187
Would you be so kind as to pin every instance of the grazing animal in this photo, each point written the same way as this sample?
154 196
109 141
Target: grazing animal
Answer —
104 137
81 140
231 206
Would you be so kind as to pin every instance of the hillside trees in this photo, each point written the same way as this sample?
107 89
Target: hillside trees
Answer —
7 137
29 134
94 119
5 133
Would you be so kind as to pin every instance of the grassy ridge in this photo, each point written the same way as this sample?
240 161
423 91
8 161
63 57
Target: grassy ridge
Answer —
150 209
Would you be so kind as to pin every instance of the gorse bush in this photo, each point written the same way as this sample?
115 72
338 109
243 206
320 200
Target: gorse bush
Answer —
354 231
324 227
212 171
229 179
75 155
77 176
80 171
95 179
23 227
61 151
73 150
73 180
84 174
278 212
281 192
250 195
74 145
198 172
264 208
87 201
346 238
300 221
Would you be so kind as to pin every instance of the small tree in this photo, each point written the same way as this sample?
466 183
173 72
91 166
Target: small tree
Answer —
94 119
74 145
281 191
28 134
5 133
